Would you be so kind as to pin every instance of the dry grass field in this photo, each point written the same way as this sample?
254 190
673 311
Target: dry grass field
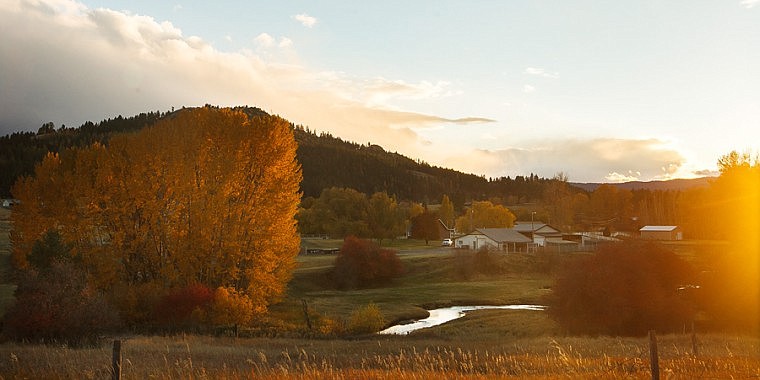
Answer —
543 357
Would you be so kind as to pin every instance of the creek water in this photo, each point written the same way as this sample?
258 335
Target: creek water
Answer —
446 314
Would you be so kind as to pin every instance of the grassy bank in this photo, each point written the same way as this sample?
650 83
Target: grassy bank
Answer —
193 357
432 277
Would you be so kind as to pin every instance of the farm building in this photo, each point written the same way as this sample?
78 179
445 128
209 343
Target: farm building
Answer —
503 239
661 233
538 231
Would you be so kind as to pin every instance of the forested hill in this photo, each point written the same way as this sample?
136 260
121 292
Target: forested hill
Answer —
327 161
673 184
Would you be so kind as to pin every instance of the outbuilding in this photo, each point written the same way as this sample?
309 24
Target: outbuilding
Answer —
661 233
502 239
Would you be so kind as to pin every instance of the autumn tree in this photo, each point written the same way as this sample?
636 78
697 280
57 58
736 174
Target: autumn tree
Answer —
338 212
385 219
731 289
485 215
205 196
559 201
425 227
446 212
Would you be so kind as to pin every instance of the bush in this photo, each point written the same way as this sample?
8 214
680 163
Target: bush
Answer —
623 289
362 263
56 305
483 261
366 320
184 308
230 307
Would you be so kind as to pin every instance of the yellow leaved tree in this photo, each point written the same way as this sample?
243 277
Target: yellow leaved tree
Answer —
205 196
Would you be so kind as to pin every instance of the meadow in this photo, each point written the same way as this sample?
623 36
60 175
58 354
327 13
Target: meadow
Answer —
484 344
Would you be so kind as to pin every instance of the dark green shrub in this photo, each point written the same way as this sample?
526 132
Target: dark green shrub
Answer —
623 289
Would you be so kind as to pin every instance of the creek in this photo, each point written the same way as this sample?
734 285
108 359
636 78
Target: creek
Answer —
446 314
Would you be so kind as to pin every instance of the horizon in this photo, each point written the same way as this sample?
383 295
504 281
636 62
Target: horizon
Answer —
604 93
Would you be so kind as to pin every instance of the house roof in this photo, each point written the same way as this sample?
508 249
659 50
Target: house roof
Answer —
504 235
658 228
538 227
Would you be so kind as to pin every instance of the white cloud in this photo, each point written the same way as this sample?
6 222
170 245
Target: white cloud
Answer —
541 72
135 64
616 177
264 40
528 89
285 42
598 159
305 20
749 3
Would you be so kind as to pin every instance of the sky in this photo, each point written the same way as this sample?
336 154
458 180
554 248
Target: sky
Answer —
600 91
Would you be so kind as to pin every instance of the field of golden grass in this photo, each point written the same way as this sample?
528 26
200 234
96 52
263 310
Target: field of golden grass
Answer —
196 357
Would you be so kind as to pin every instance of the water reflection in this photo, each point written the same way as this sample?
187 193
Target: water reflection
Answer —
443 315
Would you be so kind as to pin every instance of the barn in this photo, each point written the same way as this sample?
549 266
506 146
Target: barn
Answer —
502 239
661 233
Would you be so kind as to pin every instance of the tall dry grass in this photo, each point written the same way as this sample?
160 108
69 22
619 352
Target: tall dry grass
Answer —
194 357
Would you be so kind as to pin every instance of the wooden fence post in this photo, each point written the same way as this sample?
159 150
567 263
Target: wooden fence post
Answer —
116 362
306 313
653 358
693 339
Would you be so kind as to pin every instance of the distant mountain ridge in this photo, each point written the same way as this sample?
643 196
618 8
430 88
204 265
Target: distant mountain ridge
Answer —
672 184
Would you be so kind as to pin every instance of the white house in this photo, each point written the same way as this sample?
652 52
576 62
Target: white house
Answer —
661 233
537 231
502 239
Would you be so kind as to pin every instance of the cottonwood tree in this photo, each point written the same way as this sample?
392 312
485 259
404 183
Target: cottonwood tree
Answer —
485 215
384 217
446 212
205 196
338 212
425 227
731 289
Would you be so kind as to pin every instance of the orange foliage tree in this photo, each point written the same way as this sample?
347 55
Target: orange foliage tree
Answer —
731 288
206 196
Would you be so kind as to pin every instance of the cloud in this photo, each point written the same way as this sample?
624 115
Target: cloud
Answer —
616 177
264 40
706 173
749 3
528 89
595 159
541 72
305 20
66 63
285 42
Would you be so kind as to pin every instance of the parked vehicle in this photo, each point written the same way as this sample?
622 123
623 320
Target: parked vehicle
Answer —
447 242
